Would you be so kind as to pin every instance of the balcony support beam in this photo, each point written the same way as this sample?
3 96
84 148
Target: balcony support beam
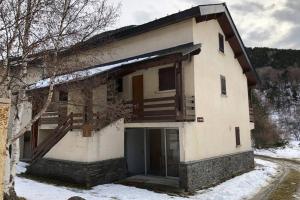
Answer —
179 91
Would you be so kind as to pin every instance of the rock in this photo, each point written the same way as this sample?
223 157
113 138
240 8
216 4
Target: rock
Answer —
76 198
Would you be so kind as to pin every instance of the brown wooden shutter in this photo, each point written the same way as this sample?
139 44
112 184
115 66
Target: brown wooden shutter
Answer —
166 78
63 96
237 136
221 42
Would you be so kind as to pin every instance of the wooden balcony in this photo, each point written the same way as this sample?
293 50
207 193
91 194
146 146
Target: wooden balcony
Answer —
251 113
163 109
79 119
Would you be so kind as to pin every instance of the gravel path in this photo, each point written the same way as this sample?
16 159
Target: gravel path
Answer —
286 185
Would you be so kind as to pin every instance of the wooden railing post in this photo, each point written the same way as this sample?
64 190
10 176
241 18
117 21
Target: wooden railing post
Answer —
71 120
179 91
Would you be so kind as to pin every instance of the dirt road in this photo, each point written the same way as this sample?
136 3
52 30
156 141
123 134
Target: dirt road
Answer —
286 185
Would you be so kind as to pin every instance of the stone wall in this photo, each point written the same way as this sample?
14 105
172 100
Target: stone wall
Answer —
205 173
85 174
4 114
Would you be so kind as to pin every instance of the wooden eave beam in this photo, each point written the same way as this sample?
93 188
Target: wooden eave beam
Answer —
207 17
148 64
229 37
247 71
101 79
238 54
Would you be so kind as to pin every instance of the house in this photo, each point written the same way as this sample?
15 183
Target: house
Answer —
185 81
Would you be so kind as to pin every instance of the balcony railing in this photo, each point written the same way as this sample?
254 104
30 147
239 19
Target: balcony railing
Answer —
163 109
251 113
79 119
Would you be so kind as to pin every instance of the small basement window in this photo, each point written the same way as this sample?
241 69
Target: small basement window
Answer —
237 136
223 85
221 43
166 78
63 96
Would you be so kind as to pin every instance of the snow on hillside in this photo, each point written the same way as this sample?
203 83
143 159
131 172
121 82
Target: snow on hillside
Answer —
282 101
240 187
290 151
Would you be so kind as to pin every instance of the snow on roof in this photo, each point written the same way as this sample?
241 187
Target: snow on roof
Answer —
79 75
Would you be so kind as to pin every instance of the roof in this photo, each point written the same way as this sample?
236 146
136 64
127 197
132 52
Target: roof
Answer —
183 50
205 12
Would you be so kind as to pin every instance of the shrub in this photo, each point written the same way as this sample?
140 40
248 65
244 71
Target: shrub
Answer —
265 134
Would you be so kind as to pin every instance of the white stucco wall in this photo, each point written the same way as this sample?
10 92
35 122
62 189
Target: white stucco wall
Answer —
99 98
162 38
150 82
108 143
216 135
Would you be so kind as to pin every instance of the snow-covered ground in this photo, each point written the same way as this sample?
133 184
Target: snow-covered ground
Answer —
240 187
291 151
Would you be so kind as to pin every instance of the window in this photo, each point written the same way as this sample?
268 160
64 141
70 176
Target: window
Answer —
119 85
223 85
237 136
166 78
63 96
221 43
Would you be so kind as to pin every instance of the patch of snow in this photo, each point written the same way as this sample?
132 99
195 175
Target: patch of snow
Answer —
291 151
21 167
85 73
240 187
243 186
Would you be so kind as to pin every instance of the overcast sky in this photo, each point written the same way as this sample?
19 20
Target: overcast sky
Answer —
270 23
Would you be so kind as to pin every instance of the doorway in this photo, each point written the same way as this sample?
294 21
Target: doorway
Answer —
152 151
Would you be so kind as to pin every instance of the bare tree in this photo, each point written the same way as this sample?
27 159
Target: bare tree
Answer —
42 30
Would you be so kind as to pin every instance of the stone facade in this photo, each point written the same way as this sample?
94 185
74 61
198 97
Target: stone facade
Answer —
205 173
87 174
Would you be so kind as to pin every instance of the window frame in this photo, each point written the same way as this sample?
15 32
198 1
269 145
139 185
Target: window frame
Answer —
221 43
223 85
161 80
237 136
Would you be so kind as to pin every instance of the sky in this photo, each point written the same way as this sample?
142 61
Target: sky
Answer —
261 23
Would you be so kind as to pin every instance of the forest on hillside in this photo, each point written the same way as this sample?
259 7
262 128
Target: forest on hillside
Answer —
277 58
278 94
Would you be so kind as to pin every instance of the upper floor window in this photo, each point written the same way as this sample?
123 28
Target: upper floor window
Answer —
63 96
119 85
223 85
166 78
221 43
237 136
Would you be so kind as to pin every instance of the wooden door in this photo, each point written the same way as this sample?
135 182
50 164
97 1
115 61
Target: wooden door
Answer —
156 159
137 96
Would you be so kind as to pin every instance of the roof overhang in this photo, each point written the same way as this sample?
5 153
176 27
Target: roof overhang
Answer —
221 13
201 13
122 67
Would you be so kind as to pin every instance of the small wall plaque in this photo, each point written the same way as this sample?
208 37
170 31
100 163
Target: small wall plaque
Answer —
87 130
200 119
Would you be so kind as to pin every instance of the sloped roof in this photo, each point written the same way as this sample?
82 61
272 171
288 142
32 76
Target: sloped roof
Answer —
183 50
201 13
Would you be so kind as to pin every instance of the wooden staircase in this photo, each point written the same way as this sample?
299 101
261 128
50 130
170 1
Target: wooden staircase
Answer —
59 132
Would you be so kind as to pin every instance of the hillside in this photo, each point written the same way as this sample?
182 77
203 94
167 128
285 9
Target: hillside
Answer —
279 91
277 58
